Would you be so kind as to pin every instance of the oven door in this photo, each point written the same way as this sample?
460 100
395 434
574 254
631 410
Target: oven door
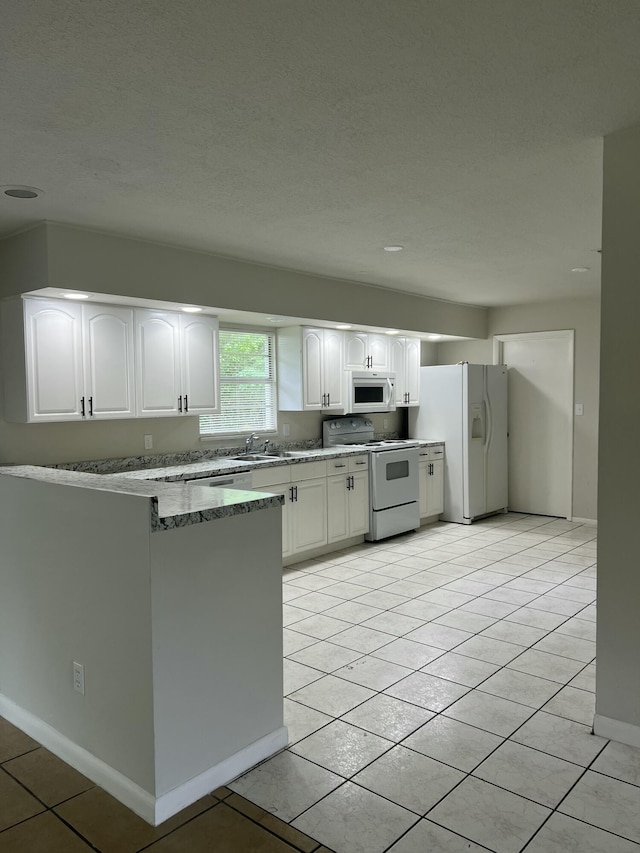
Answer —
371 392
393 477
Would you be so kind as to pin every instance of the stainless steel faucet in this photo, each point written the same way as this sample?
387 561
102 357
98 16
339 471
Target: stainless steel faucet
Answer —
266 445
248 444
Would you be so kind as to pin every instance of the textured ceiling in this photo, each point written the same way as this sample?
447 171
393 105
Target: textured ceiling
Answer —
308 134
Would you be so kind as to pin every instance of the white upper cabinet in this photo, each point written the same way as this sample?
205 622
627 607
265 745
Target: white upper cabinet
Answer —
67 361
177 364
366 351
310 369
108 361
405 363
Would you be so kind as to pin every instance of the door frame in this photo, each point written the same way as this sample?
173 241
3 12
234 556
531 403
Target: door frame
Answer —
565 335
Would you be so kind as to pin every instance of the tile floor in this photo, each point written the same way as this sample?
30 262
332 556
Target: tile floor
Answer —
440 694
439 697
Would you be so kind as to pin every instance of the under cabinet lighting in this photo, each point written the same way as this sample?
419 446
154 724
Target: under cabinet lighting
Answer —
75 295
393 248
392 332
581 269
191 309
433 337
344 326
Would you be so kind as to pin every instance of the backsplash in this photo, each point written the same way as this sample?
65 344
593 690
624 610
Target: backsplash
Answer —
185 457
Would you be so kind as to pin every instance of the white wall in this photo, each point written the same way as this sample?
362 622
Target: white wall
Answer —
66 595
584 317
618 637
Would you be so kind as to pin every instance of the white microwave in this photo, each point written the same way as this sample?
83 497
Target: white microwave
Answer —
370 392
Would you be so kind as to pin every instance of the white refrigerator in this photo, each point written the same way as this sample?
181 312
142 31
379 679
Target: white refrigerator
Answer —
465 405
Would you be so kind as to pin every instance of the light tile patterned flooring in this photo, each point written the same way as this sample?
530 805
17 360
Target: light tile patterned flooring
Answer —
440 694
439 699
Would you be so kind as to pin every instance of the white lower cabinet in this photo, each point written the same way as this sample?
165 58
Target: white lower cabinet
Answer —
431 480
304 512
347 498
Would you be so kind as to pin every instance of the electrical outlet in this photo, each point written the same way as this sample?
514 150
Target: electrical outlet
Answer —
286 430
78 677
385 423
148 442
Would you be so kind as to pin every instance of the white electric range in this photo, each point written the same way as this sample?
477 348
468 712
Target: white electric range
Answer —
393 474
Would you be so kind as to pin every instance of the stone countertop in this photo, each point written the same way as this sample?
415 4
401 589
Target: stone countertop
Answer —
172 504
225 465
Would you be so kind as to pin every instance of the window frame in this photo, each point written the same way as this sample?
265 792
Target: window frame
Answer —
213 436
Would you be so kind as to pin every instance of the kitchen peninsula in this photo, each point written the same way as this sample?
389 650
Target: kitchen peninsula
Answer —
168 596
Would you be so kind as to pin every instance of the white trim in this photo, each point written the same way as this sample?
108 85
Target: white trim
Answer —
616 730
121 787
174 801
592 521
562 334
152 809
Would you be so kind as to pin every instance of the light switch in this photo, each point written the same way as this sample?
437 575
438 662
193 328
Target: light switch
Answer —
579 409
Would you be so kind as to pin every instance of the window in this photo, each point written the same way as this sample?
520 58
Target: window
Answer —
247 384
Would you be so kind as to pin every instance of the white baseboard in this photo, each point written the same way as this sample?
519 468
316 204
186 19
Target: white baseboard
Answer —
616 730
177 799
592 521
121 787
144 804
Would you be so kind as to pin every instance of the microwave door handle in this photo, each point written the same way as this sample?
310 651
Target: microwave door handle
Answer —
390 390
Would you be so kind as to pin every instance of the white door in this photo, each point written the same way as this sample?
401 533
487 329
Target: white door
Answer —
540 391
337 508
333 372
379 352
54 360
312 363
412 370
309 516
397 362
108 361
356 351
359 504
199 340
158 388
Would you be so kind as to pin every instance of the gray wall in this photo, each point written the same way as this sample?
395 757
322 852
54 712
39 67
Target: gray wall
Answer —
618 681
584 317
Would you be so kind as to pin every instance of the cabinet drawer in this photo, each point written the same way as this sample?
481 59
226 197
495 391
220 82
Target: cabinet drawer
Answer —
430 453
358 463
271 476
308 470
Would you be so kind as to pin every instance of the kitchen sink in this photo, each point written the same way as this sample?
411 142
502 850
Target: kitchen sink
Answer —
251 457
273 454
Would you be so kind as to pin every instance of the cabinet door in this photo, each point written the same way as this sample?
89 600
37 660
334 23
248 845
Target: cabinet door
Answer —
423 486
53 339
356 351
158 390
312 368
397 363
435 488
379 352
199 359
108 361
309 515
359 504
412 370
337 508
333 369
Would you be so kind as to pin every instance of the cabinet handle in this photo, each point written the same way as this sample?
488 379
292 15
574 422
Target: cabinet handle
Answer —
186 403
82 406
180 403
90 407
361 463
295 491
328 399
324 401
353 482
291 493
339 466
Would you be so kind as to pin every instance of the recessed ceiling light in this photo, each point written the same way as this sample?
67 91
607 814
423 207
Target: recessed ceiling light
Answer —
393 248
580 269
17 191
191 309
392 332
275 319
75 295
433 337
344 326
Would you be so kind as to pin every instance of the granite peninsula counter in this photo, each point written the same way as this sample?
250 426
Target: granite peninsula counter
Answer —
172 504
170 597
